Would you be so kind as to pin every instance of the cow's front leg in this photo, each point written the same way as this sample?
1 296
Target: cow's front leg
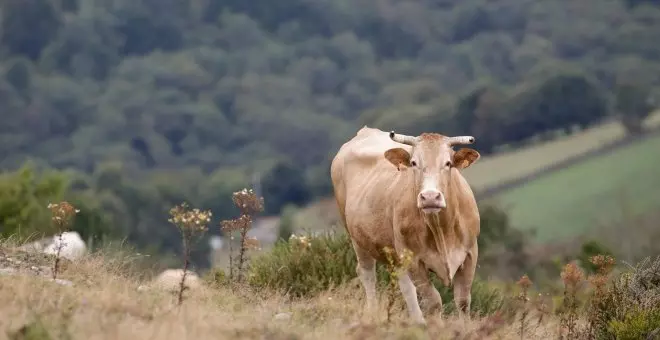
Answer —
431 299
463 282
410 296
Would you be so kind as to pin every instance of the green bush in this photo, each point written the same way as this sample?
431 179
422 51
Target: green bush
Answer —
636 325
305 266
630 308
24 196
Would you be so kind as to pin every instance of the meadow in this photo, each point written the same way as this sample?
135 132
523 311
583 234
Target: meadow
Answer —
595 192
304 288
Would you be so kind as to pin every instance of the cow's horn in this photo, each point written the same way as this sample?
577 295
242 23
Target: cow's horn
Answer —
403 139
460 140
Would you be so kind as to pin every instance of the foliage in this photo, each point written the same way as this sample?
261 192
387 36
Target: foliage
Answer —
502 248
249 204
285 229
305 266
634 104
24 196
636 325
589 249
630 306
191 223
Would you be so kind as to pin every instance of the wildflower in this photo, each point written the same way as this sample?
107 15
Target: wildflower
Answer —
571 275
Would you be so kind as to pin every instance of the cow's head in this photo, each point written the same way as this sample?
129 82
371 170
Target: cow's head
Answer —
431 161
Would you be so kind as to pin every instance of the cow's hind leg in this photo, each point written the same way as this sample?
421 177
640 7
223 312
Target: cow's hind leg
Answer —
366 271
463 282
431 299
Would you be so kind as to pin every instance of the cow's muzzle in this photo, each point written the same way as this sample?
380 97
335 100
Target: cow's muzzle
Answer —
431 201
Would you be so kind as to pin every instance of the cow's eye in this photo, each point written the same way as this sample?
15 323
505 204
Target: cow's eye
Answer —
448 164
413 163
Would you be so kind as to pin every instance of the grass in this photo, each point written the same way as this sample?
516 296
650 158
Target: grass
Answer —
104 303
591 193
100 297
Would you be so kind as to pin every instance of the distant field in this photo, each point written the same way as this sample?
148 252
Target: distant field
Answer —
506 166
598 191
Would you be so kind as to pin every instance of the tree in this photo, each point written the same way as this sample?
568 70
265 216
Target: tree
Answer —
284 184
633 104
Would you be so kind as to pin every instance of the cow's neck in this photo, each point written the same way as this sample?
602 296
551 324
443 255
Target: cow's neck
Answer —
444 229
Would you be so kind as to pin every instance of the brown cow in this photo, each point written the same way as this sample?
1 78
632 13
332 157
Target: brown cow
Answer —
426 207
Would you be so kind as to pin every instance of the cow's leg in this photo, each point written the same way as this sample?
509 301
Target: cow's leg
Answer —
432 301
463 282
366 271
409 292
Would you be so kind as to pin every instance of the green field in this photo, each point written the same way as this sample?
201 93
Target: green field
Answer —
501 167
588 194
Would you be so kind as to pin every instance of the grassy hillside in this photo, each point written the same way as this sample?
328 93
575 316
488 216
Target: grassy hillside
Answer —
590 193
102 301
100 297
491 171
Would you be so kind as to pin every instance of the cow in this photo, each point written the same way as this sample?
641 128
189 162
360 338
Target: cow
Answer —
407 193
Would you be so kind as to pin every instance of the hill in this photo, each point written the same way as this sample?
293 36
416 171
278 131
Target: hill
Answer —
99 298
109 295
598 191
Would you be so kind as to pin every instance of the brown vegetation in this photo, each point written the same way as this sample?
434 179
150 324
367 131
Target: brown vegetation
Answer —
103 301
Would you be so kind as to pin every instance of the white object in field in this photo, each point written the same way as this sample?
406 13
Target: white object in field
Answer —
170 279
72 246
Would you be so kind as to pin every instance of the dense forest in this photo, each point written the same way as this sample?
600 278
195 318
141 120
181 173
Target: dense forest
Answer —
128 107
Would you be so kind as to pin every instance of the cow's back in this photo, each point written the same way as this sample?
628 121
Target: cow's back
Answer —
362 179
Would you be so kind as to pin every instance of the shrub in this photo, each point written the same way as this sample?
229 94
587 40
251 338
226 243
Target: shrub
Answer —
306 265
636 325
631 305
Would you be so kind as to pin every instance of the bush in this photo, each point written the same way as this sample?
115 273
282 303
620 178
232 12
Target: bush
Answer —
630 309
24 195
305 266
637 325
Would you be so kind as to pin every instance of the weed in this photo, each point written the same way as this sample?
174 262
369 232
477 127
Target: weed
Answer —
62 214
395 266
249 204
572 276
191 223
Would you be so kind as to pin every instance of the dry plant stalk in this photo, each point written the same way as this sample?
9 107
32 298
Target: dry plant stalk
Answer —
249 204
572 277
604 265
394 267
62 214
191 223
524 283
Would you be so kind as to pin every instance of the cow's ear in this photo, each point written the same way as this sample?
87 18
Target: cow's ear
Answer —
465 157
398 157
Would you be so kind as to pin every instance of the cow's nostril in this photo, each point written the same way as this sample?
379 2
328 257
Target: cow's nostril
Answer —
422 197
437 196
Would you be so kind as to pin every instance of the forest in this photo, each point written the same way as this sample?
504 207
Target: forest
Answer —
127 108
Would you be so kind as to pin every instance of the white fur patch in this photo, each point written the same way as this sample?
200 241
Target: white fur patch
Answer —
455 258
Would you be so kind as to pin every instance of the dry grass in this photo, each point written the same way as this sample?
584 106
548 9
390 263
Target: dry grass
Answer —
104 303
